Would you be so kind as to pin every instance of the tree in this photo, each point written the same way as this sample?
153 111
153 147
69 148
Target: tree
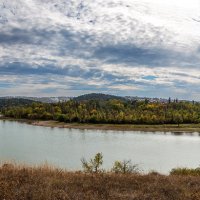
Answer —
93 166
146 101
107 111
178 119
124 167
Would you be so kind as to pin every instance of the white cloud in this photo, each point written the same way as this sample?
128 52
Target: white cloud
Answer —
101 45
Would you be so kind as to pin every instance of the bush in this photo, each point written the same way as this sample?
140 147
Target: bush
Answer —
125 167
185 171
93 166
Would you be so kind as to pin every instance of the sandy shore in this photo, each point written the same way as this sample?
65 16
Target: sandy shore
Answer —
190 128
183 128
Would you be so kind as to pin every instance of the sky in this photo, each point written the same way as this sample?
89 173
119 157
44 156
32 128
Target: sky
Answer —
148 48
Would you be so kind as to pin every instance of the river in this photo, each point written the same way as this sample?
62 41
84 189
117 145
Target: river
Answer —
35 145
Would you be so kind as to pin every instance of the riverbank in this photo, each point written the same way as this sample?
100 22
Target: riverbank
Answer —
39 183
190 128
182 128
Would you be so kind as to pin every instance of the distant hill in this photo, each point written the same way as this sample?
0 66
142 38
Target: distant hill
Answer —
97 96
10 102
48 99
23 100
38 99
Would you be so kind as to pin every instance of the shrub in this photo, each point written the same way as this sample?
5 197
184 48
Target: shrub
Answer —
125 167
185 171
93 166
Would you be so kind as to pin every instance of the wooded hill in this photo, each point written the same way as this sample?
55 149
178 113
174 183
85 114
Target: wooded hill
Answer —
12 102
98 97
112 111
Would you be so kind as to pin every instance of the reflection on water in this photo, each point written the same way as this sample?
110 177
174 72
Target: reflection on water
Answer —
65 147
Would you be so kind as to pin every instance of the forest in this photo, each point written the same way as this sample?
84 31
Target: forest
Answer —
12 102
110 111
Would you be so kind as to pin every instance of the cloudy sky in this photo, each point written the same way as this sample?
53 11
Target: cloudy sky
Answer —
123 47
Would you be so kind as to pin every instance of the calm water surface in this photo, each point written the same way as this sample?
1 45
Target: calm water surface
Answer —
64 148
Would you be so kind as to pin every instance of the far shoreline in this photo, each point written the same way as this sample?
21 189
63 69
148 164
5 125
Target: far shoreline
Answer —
183 128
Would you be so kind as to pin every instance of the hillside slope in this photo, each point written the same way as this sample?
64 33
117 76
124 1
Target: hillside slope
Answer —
12 102
97 96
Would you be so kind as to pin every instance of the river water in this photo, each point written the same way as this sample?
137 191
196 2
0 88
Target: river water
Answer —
23 143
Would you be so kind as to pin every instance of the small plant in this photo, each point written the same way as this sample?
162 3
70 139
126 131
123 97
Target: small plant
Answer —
185 171
94 165
125 167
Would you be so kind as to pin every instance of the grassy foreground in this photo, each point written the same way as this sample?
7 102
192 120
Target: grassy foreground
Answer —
45 183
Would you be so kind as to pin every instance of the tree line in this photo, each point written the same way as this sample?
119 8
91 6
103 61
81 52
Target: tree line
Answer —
113 111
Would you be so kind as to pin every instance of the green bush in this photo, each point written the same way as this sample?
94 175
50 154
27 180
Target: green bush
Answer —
93 166
124 167
185 171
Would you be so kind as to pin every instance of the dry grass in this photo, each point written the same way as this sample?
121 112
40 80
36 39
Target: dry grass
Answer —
45 183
